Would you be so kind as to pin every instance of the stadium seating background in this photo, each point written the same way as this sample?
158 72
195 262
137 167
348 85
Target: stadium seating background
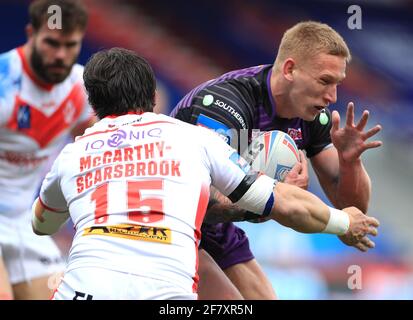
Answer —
189 42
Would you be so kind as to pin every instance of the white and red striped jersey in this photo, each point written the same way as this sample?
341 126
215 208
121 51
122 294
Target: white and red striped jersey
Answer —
137 188
35 120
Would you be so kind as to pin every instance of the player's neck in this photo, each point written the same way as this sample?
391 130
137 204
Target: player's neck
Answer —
27 52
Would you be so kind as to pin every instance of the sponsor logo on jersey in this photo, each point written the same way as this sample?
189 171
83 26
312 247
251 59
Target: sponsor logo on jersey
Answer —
296 134
224 132
132 232
208 100
69 112
117 138
48 105
232 111
23 159
24 117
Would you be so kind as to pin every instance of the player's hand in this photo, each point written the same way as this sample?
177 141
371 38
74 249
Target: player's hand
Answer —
350 141
361 226
298 175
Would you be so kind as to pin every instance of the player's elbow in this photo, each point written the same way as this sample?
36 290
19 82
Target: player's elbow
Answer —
361 204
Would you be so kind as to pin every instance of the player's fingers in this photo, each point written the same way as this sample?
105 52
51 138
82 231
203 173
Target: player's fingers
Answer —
374 222
350 114
335 121
367 242
372 131
372 145
295 170
373 231
304 163
363 120
361 246
300 155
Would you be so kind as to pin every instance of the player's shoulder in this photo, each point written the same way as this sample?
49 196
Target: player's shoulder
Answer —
5 63
76 75
235 80
187 130
10 65
180 126
10 82
66 154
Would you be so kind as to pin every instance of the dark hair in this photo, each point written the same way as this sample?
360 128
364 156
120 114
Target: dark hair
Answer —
74 14
118 81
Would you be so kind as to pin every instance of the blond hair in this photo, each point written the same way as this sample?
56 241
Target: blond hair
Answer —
309 38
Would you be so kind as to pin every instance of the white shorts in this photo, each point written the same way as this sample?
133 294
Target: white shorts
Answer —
89 283
26 255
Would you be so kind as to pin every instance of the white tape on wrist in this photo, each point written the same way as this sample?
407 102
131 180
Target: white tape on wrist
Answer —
338 223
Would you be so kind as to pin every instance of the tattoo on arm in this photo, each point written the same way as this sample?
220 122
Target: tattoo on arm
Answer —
221 209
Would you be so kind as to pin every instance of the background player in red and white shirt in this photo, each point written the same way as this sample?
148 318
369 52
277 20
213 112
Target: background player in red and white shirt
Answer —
136 186
42 102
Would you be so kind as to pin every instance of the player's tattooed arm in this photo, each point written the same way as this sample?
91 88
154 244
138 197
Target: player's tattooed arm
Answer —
221 209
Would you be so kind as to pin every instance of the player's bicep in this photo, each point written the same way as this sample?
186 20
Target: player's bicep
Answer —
233 177
228 168
50 209
51 193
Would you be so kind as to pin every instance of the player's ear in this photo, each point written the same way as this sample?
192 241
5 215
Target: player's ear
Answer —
288 68
29 31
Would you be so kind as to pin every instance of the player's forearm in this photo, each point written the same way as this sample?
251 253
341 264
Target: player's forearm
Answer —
221 209
218 212
353 186
293 207
304 212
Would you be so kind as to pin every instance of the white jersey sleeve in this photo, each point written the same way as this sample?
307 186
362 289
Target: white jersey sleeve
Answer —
51 195
228 169
8 84
230 173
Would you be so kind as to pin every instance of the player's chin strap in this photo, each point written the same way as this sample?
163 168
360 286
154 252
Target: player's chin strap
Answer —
51 220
